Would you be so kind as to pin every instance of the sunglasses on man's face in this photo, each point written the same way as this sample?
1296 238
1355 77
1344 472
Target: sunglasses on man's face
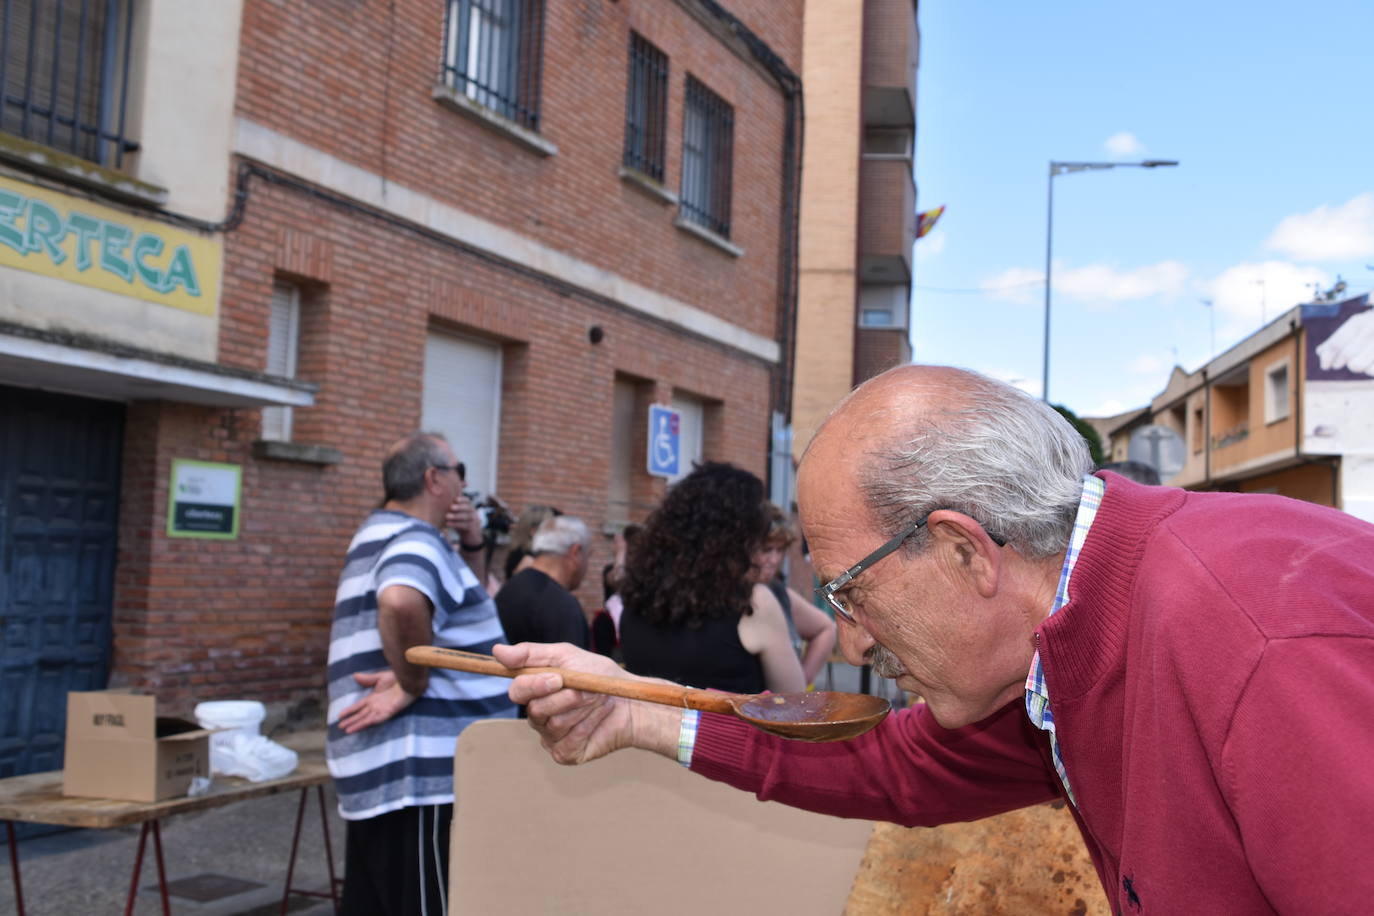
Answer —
460 469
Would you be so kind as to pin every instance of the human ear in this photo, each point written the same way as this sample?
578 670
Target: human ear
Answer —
976 555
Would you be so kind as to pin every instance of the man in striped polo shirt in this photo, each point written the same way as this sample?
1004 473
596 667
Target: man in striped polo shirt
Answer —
392 725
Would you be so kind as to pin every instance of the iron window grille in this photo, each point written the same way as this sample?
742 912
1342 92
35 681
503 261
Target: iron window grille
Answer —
646 108
492 52
708 138
66 75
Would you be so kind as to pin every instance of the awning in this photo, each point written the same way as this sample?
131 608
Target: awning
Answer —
82 365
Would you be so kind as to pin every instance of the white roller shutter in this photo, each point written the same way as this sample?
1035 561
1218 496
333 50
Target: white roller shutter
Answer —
462 400
283 344
691 418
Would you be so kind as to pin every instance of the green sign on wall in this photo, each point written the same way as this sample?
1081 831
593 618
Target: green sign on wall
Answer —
204 500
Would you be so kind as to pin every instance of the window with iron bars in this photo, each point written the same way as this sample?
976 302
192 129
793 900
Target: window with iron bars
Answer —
646 108
708 136
66 75
492 52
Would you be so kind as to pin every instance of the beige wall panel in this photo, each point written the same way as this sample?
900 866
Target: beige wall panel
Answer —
831 73
825 353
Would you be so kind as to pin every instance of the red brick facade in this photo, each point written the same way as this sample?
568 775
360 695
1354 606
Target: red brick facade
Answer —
198 619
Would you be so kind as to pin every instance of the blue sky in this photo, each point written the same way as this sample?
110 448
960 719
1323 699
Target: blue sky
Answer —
1267 106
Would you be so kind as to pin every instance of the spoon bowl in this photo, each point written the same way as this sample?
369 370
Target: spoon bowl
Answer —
818 715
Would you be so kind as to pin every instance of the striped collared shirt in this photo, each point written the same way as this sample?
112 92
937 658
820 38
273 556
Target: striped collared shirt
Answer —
1037 693
406 761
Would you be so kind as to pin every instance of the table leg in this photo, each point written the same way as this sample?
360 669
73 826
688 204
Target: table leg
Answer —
14 869
161 870
138 866
291 862
328 849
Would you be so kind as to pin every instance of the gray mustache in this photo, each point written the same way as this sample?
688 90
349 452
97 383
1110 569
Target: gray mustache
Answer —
884 663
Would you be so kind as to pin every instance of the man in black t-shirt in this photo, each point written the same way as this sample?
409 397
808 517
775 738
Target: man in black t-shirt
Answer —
537 604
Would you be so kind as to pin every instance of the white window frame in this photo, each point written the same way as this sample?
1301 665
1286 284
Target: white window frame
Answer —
872 301
1273 410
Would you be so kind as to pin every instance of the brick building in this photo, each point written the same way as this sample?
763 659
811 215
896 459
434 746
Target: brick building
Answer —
858 216
262 240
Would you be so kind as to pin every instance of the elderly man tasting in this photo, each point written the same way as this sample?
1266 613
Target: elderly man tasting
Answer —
1194 672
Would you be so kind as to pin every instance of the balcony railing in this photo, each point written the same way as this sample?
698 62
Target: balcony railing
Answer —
1231 437
66 75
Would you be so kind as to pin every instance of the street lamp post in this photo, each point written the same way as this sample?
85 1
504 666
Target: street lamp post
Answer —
1057 168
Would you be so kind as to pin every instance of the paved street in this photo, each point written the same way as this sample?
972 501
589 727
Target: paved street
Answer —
87 871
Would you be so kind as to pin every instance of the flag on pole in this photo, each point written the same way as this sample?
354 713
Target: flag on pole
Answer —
926 221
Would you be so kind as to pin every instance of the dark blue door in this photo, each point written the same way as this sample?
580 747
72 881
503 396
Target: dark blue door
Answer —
59 509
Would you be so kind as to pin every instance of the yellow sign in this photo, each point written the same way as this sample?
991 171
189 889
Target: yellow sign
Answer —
83 242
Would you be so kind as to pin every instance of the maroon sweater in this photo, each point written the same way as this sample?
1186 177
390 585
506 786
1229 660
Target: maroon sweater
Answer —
1212 681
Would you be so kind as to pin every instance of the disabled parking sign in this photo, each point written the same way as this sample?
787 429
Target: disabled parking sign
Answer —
665 441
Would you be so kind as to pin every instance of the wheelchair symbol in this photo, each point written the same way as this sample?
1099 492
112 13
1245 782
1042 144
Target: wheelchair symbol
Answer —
665 456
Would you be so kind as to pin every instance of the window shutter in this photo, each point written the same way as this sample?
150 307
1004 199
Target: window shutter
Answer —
283 333
690 419
462 400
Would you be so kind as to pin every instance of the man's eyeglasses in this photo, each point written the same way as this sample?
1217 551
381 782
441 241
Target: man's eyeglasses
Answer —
460 469
829 589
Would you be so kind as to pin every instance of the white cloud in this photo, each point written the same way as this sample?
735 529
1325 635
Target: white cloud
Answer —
1247 295
1123 145
1015 379
1097 285
1148 364
1328 233
1108 408
1131 394
1100 285
1018 285
931 245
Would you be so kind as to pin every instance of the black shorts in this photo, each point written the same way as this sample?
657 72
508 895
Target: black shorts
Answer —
396 864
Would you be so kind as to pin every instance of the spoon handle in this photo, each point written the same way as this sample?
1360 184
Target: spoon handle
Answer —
650 691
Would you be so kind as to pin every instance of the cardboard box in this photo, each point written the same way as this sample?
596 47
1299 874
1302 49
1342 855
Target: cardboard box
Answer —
629 834
119 747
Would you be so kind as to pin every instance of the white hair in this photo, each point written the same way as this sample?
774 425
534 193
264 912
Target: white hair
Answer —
558 533
992 452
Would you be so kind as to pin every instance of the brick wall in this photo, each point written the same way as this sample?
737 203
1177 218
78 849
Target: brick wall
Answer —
879 349
198 619
355 80
887 211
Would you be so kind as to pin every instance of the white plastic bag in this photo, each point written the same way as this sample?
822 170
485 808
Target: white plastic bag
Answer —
255 758
239 750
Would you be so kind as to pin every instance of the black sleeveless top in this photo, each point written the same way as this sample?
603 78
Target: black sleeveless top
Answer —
710 656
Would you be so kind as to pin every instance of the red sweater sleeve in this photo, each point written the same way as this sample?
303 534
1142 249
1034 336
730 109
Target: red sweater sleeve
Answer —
1298 770
908 770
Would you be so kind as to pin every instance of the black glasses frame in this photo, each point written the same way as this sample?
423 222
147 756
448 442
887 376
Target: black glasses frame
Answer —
828 590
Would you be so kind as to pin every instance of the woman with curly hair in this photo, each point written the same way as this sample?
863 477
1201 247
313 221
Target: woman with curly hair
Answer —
693 611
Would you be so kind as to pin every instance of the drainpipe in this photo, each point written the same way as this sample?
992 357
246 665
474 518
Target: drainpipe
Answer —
789 217
1206 428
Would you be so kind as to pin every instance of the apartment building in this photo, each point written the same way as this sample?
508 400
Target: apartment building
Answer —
245 245
1288 410
858 217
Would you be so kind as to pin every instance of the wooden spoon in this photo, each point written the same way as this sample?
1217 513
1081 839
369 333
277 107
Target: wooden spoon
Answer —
813 716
